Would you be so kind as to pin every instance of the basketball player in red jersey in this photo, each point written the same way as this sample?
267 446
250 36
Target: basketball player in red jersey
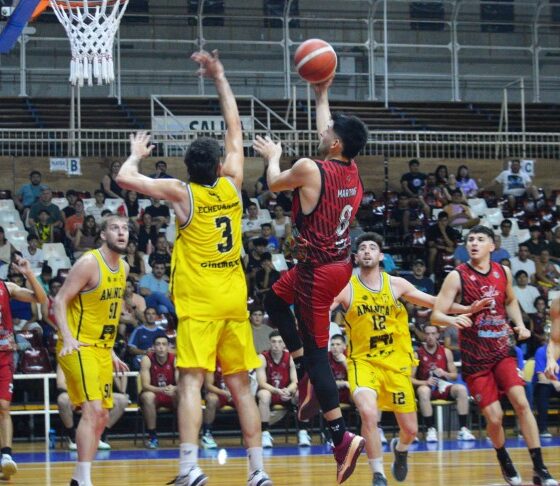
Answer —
327 194
9 290
487 348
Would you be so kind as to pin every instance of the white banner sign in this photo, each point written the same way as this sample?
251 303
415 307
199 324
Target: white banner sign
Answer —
58 165
528 166
71 166
74 167
196 123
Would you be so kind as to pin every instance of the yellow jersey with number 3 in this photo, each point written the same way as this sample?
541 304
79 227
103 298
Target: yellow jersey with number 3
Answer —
93 315
377 326
207 278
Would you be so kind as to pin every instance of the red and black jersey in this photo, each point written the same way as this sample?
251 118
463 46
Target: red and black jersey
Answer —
323 235
490 339
277 373
162 375
428 362
6 324
338 368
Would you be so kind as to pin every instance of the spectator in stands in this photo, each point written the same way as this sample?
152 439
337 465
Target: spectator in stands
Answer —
441 240
554 246
252 223
142 338
499 253
434 377
24 314
544 390
147 234
433 195
451 341
135 261
217 396
32 253
48 319
98 207
132 206
418 277
67 413
161 254
442 176
465 182
536 243
510 241
6 248
277 380
516 184
262 192
42 228
75 221
45 277
261 331
272 244
161 171
459 212
547 275
525 293
69 210
403 216
45 204
537 325
523 262
159 385
337 360
284 199
86 237
159 212
154 287
254 258
266 277
413 181
109 184
133 309
28 194
281 224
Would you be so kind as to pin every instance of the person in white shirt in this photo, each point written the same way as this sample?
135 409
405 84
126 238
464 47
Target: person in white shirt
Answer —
516 183
32 253
510 242
525 293
523 262
98 207
251 225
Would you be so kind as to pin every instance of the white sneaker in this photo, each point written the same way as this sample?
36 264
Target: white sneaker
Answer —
103 446
465 434
71 445
431 435
545 435
382 436
415 440
9 467
195 476
267 440
259 478
303 439
208 441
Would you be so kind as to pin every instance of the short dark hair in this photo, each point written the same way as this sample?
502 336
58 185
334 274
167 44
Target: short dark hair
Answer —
161 162
505 222
352 131
266 225
274 333
31 237
519 273
442 215
339 336
483 230
255 308
54 281
202 159
370 236
150 307
457 191
34 172
99 191
266 256
161 336
413 162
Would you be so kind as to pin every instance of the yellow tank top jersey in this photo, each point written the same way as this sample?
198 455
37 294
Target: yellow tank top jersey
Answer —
207 278
377 326
93 315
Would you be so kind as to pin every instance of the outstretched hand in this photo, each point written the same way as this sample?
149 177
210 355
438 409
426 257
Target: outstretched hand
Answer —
267 148
481 304
210 64
140 144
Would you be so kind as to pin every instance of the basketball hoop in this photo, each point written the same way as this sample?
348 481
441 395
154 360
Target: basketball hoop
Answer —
91 26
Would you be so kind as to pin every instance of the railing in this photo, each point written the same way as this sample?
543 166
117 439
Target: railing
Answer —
406 144
47 410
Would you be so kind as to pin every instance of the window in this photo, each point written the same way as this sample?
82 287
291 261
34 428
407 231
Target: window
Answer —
492 11
427 13
275 8
213 12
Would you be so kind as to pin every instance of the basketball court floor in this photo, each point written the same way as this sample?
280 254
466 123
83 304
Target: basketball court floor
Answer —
448 463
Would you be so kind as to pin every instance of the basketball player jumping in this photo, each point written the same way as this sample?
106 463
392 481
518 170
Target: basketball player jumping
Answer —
87 310
380 354
327 195
207 279
487 348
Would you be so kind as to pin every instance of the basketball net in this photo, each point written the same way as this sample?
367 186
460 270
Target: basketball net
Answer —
91 27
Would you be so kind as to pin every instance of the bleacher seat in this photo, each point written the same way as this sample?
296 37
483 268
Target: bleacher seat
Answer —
53 250
88 203
113 203
279 262
8 216
477 205
144 203
494 216
61 202
7 204
58 263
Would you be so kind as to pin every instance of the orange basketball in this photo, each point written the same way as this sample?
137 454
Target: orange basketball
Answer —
315 61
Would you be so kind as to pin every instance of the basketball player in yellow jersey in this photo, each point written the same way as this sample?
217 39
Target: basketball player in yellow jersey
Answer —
380 354
207 281
87 309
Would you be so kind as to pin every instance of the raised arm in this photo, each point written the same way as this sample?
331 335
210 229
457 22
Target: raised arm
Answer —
211 67
322 105
35 295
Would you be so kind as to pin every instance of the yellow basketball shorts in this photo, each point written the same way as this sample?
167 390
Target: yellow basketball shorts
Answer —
200 343
394 389
89 375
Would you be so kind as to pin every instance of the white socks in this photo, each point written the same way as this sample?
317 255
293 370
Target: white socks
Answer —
188 457
255 457
376 465
82 473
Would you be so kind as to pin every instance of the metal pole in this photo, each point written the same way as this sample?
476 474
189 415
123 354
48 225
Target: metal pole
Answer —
294 107
200 42
455 53
386 60
22 66
79 120
119 79
523 133
309 127
72 120
286 45
371 53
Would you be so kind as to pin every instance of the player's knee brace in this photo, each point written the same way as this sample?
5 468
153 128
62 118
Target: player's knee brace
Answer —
281 316
320 374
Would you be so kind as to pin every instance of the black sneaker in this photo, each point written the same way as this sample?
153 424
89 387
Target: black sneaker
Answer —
510 474
542 477
379 480
399 469
74 483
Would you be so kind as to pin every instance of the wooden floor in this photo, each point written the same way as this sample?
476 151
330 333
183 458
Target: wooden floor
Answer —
437 468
